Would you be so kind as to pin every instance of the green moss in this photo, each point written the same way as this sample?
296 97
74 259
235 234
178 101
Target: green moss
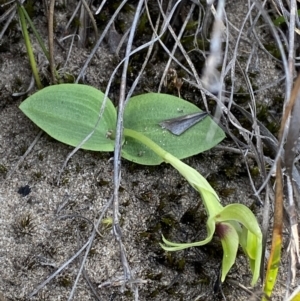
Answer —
226 192
18 82
168 221
192 25
64 181
170 257
37 175
29 7
122 189
230 172
25 224
76 22
241 96
49 249
146 196
273 127
83 226
102 18
175 292
68 78
213 182
278 100
128 293
40 156
143 22
191 215
154 277
30 262
65 280
155 293
153 233
23 148
230 167
254 171
180 264
263 112
169 197
263 115
92 252
272 48
188 42
78 168
3 169
102 182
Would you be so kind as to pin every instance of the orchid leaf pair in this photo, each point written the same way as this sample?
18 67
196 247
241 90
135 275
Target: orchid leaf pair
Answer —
69 113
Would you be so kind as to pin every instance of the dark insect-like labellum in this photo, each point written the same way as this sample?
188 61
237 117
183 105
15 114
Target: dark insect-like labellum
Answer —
221 230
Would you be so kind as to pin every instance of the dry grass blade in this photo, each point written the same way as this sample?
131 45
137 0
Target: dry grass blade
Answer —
290 152
42 285
211 76
175 47
9 15
186 56
86 246
292 137
50 40
86 10
293 129
100 40
275 254
21 160
128 275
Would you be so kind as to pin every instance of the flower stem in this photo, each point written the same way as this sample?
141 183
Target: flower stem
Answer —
148 142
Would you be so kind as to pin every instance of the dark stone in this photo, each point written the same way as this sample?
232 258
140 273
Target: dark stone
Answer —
24 190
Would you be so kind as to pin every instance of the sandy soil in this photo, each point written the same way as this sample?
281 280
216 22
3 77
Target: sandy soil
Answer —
43 225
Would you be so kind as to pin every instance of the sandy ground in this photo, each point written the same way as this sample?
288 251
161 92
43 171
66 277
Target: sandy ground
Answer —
43 225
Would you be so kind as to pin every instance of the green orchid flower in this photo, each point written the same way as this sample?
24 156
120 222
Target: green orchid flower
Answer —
234 224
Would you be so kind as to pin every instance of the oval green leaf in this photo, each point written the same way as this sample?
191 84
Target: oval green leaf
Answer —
143 113
69 112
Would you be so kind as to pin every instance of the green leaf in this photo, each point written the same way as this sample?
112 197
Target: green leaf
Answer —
230 243
143 114
280 20
69 112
